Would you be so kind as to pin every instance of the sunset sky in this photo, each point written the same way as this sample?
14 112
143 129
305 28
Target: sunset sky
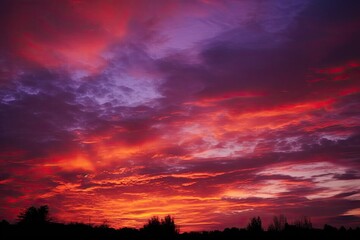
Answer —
212 111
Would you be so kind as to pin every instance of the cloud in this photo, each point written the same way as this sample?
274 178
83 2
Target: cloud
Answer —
115 110
53 35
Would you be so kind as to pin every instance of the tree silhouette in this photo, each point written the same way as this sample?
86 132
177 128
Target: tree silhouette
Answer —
153 228
279 223
329 229
161 229
34 216
255 225
303 223
32 220
169 227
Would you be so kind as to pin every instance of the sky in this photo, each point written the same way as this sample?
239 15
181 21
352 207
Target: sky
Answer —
210 111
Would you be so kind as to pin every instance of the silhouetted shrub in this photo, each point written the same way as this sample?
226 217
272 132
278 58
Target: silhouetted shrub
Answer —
161 229
4 223
255 225
153 228
34 216
279 223
303 223
169 227
329 228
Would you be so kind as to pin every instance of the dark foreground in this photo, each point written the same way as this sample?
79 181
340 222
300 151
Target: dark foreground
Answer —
88 232
35 223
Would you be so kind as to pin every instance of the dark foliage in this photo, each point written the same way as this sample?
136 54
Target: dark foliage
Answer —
303 223
34 216
279 224
255 225
160 229
34 223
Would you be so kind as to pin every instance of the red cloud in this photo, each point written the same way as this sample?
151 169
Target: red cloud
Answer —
70 34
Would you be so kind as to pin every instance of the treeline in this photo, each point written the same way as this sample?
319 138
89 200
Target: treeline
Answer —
35 223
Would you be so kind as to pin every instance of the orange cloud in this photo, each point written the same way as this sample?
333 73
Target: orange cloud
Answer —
70 162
